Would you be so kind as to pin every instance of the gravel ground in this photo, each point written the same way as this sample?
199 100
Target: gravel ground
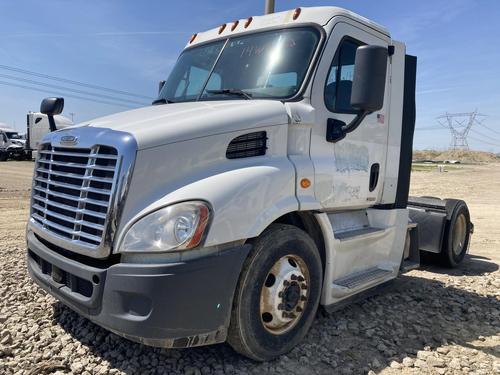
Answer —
429 321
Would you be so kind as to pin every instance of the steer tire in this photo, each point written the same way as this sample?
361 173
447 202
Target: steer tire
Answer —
285 263
457 236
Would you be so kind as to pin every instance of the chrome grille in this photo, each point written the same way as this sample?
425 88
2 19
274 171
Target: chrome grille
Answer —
72 191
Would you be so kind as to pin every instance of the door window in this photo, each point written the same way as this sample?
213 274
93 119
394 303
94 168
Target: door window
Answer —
338 85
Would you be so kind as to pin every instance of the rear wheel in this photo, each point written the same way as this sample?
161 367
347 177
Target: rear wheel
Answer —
277 295
3 156
457 236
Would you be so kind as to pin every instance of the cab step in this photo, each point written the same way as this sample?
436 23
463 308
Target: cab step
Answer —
359 280
358 233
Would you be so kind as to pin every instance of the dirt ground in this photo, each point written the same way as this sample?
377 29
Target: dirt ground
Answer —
433 321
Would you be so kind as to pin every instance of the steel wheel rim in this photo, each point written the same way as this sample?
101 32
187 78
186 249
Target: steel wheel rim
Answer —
284 294
459 234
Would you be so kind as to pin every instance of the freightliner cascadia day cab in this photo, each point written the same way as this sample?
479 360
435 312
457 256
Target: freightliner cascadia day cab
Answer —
270 176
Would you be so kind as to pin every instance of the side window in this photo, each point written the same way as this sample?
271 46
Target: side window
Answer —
338 85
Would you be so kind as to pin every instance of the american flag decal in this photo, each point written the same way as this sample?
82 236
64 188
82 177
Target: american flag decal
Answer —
380 118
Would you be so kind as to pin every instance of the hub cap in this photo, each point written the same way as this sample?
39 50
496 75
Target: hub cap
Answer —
284 294
459 234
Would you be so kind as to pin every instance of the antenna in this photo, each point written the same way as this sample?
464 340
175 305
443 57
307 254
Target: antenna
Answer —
459 125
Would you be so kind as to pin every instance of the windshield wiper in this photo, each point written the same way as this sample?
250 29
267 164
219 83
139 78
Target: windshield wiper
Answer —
162 101
235 92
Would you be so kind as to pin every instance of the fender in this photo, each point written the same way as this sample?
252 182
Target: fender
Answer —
246 195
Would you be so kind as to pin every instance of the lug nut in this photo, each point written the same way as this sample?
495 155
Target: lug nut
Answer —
300 278
298 309
284 314
281 306
280 294
303 286
286 283
294 277
303 298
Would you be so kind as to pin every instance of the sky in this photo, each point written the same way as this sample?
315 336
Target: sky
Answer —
130 45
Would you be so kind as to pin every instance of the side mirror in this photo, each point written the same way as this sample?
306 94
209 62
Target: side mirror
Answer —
368 89
160 86
52 107
368 83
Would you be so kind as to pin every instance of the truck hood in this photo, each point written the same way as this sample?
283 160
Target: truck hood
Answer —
168 123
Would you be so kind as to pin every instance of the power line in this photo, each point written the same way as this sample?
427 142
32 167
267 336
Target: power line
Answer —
488 143
429 128
73 82
490 129
68 95
485 136
68 89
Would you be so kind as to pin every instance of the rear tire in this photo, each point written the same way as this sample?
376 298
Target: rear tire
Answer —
457 236
277 295
3 156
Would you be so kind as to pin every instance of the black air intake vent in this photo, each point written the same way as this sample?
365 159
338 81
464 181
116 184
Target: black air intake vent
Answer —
247 145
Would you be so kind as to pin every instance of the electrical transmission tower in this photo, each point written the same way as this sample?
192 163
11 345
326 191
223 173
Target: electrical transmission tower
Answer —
459 125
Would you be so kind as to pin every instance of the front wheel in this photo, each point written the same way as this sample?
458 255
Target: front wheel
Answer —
277 294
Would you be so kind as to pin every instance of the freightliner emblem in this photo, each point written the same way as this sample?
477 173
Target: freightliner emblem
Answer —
68 140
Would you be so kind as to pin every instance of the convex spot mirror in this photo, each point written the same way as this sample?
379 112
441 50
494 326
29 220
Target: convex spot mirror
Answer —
368 84
52 106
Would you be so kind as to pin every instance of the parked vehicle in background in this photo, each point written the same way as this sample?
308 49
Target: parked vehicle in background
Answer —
12 144
270 177
37 126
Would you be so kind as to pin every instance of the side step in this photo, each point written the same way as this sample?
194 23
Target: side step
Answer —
358 233
351 283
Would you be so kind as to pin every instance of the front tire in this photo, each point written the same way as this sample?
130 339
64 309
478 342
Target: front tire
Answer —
278 293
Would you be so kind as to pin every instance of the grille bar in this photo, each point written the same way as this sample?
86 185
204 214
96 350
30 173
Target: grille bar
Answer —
72 192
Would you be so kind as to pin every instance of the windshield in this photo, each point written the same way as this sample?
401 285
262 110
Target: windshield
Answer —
12 135
269 64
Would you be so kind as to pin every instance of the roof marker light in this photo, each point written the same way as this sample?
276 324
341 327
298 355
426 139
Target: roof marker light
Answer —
248 22
235 25
193 37
222 28
296 13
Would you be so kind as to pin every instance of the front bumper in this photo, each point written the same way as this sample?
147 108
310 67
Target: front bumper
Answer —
180 304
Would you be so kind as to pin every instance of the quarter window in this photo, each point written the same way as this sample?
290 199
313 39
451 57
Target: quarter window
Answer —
338 85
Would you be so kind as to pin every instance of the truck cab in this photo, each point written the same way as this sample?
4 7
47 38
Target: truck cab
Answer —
11 143
270 176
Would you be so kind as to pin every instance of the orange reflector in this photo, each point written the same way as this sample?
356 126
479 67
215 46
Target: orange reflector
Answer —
221 28
235 25
248 22
305 183
193 37
296 13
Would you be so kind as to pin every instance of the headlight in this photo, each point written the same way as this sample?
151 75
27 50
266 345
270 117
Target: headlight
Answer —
177 227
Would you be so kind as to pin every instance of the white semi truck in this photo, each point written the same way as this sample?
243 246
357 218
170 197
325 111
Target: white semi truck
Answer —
37 126
11 143
270 176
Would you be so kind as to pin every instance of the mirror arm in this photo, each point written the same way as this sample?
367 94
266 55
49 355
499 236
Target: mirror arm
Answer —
52 123
356 121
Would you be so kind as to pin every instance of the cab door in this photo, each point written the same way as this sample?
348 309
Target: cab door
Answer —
350 172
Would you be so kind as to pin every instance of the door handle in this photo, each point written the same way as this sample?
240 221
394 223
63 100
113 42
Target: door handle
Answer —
374 172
